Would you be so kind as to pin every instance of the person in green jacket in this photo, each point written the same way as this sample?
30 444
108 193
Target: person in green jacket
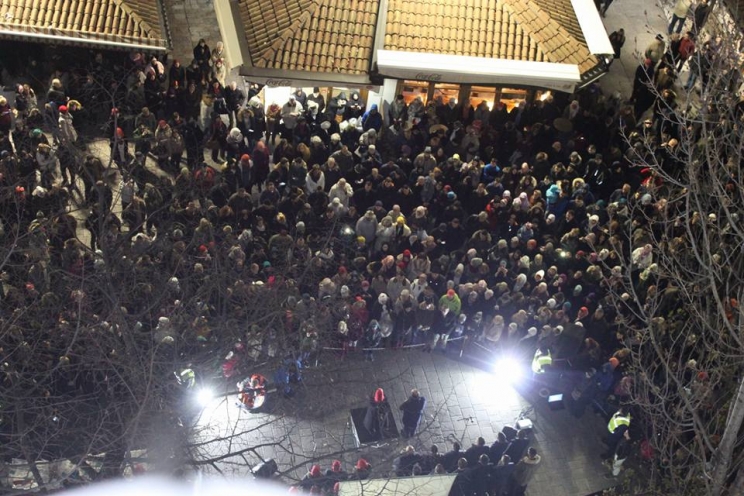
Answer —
451 301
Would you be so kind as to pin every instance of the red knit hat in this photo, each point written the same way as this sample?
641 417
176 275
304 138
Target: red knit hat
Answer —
315 471
245 157
336 466
379 395
362 464
63 109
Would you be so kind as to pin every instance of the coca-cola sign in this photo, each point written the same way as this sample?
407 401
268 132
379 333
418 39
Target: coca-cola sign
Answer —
421 76
276 83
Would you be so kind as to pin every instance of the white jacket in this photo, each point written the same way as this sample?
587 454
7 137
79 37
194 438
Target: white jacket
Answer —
66 130
311 186
342 192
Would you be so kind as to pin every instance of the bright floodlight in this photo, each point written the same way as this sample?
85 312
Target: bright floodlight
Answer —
509 370
204 396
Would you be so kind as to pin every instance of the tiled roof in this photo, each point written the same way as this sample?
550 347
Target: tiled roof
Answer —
532 30
311 35
562 12
126 21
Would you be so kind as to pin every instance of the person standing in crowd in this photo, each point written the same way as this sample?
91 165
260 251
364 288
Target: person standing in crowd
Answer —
679 16
202 57
524 471
617 40
290 114
700 16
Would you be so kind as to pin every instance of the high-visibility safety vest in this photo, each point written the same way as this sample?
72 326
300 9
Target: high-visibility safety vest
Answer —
617 420
540 361
188 378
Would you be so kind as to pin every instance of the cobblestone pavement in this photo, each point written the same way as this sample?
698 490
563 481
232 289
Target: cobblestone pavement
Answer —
464 403
189 21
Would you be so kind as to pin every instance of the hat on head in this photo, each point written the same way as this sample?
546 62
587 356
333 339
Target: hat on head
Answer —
245 157
361 464
63 109
336 466
614 362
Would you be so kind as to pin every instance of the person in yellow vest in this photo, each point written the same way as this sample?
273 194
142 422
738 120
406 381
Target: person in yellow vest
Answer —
618 425
542 360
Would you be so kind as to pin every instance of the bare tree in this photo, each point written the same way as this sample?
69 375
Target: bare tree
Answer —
678 282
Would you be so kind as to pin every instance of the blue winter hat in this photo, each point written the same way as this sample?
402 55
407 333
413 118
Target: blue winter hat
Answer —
451 195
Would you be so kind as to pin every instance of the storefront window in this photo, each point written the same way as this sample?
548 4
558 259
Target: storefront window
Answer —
480 93
511 97
446 91
412 89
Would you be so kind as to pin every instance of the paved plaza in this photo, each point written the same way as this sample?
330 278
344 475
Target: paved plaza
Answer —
464 402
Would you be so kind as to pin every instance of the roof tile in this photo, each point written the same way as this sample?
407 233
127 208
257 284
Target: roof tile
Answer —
133 21
330 27
538 30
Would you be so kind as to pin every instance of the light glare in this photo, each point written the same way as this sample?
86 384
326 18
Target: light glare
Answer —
509 370
204 396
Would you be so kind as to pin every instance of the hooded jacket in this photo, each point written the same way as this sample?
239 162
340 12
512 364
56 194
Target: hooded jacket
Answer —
372 119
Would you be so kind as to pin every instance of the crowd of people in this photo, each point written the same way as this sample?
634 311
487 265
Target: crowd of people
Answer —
403 223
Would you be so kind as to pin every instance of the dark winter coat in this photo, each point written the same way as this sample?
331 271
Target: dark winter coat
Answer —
413 410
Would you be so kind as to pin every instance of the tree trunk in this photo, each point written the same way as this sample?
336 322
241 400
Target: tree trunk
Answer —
723 455
30 457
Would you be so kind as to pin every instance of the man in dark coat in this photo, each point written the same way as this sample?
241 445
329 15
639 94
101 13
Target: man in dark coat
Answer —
450 458
463 485
475 451
413 409
643 96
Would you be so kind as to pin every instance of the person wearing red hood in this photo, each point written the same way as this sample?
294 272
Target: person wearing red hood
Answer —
334 475
313 478
120 148
362 470
377 418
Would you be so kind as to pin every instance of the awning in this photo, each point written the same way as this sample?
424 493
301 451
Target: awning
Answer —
592 27
295 79
422 485
477 70
82 40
